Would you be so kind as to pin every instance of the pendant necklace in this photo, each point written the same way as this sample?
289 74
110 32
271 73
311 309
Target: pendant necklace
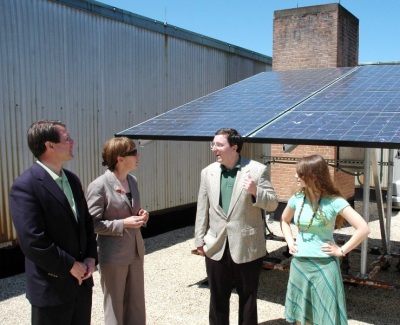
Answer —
312 218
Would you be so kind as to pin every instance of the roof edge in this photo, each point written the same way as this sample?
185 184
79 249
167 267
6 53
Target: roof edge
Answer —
128 17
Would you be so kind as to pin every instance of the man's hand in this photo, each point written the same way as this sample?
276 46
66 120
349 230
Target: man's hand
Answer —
79 271
90 264
249 185
200 251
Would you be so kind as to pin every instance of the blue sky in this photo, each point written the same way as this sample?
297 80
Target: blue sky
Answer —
249 24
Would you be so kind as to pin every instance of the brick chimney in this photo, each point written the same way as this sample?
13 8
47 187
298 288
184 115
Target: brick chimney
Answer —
324 36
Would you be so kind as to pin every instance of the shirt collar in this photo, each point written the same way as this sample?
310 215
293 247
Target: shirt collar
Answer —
237 167
53 175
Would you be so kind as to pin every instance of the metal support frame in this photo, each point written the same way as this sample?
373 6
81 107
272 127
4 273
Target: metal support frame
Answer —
366 195
389 198
379 199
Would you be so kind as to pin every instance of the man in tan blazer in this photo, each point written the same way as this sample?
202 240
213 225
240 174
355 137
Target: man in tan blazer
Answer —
229 229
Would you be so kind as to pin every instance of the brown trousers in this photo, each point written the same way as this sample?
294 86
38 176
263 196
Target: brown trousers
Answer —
123 289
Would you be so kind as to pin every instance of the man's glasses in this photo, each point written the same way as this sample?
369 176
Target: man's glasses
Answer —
130 153
216 144
68 139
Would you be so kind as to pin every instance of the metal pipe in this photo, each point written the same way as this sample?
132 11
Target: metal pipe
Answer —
379 199
389 198
366 195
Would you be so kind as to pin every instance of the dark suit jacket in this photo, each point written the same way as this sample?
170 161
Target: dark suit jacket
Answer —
49 236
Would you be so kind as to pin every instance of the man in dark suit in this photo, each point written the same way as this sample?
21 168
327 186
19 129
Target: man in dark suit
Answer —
55 230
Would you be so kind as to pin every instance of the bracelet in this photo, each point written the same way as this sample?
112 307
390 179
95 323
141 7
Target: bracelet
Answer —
343 254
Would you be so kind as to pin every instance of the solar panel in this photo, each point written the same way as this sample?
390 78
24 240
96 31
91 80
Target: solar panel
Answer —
361 109
245 106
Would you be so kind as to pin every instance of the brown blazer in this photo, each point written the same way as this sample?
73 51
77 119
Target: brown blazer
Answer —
109 207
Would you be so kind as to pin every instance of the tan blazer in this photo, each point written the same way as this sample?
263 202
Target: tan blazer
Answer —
243 225
109 207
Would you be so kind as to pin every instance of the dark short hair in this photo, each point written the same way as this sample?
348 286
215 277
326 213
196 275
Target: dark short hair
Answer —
114 148
40 132
233 137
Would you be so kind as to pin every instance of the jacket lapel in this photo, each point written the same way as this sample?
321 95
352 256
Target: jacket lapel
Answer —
238 186
51 186
215 193
76 190
117 188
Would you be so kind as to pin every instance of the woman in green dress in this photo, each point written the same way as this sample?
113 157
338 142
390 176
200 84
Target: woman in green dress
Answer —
315 293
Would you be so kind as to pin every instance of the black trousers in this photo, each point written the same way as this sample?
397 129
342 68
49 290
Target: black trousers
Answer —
225 274
77 312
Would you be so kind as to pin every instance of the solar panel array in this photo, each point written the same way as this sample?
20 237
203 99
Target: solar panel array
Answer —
244 106
348 106
361 109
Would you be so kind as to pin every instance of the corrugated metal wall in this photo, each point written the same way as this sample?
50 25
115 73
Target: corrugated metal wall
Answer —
102 75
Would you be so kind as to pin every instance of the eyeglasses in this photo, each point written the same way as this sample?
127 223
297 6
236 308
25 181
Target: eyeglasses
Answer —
216 144
68 139
130 153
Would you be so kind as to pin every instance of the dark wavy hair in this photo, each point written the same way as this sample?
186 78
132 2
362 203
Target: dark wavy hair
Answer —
314 170
233 137
40 132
